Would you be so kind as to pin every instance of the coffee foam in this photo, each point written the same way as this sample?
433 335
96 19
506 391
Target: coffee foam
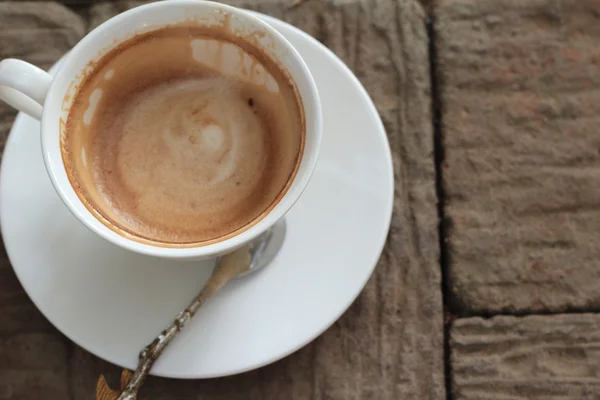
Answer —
183 136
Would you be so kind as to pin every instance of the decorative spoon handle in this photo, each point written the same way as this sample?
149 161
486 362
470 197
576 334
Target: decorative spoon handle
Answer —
228 267
151 352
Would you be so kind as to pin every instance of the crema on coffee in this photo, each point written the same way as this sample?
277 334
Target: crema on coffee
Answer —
183 136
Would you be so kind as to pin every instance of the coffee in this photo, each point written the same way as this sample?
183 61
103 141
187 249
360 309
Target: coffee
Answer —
183 136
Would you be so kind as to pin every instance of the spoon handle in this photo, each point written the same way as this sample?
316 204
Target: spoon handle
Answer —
152 351
227 267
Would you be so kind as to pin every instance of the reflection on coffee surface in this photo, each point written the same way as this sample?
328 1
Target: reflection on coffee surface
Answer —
183 136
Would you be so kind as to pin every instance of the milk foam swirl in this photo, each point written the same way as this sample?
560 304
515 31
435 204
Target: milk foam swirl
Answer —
185 153
202 140
174 141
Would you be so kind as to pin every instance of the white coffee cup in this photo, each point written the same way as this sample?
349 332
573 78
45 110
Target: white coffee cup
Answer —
48 98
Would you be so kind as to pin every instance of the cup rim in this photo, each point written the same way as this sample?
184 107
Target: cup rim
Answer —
297 187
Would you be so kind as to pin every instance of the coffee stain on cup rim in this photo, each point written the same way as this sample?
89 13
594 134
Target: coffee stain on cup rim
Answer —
258 38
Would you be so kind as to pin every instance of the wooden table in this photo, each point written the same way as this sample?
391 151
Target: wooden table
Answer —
488 285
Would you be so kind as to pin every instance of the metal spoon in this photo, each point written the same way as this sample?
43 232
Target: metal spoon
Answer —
241 262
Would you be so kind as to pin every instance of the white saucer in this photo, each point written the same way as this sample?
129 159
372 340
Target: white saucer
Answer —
112 302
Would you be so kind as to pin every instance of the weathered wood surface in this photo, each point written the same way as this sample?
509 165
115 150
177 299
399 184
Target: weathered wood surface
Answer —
389 343
34 357
553 357
521 105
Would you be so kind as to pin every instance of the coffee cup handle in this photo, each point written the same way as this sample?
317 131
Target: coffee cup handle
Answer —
24 86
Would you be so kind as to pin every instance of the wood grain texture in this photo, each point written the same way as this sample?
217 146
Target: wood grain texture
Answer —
537 357
520 97
389 343
33 355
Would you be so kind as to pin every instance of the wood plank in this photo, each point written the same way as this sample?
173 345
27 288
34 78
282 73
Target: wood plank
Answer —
389 345
371 351
33 355
553 357
520 98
